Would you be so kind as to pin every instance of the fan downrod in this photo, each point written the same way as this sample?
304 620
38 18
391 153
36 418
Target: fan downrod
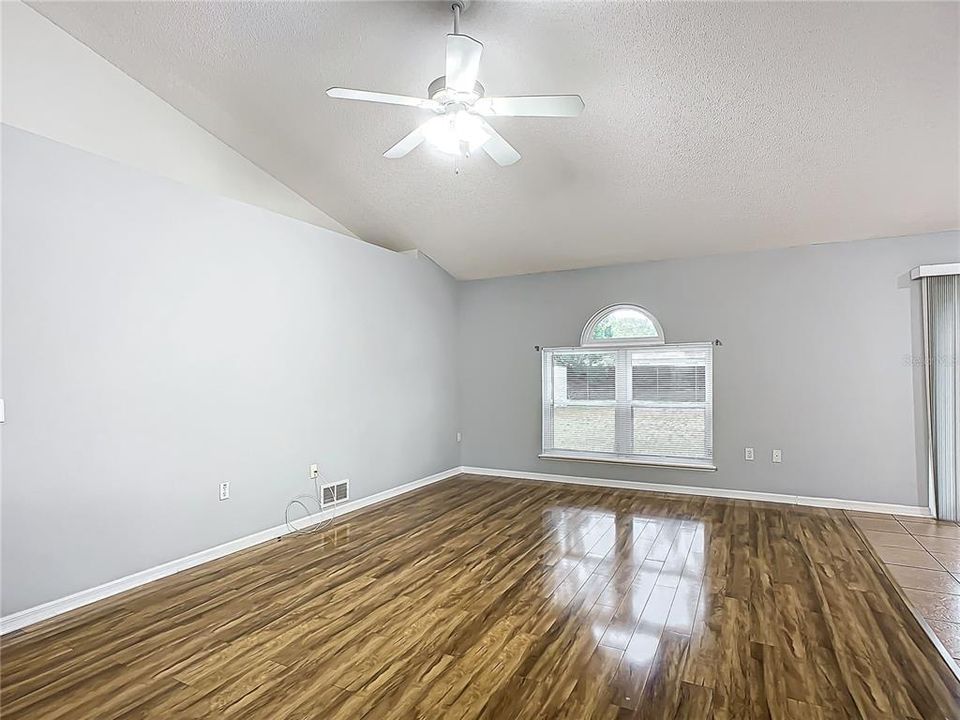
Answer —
458 7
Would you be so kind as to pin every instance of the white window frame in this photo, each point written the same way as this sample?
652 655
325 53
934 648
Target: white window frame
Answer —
588 340
623 401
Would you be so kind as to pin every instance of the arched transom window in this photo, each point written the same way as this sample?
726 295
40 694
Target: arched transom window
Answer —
622 324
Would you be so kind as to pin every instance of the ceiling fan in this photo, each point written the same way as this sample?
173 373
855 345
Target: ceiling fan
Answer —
459 127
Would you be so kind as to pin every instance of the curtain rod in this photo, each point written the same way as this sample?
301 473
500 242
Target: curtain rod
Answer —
715 342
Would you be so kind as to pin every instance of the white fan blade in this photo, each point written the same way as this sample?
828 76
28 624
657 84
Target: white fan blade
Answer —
499 149
406 145
463 62
386 98
531 106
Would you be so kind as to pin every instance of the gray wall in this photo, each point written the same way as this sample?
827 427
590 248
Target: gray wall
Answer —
817 359
158 340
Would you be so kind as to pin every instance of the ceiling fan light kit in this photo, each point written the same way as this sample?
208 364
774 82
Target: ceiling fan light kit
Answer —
457 98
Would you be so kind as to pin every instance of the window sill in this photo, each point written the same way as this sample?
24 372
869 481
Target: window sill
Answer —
670 464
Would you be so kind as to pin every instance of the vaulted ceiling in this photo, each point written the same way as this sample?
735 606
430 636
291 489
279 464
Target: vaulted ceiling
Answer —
708 127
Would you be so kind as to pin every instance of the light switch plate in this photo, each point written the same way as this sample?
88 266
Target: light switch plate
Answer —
777 456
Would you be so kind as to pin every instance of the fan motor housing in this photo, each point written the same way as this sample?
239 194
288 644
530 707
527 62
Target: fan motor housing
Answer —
438 90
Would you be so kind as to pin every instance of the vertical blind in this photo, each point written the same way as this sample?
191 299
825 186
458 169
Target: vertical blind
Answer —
637 404
941 297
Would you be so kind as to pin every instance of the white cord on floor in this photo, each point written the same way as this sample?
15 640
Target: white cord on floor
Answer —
302 501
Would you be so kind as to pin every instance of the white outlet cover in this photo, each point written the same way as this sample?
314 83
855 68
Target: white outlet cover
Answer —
777 456
748 453
225 491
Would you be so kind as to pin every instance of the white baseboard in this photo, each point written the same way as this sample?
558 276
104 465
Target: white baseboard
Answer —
50 609
857 505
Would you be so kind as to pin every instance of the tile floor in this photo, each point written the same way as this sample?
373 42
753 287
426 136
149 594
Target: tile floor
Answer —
923 555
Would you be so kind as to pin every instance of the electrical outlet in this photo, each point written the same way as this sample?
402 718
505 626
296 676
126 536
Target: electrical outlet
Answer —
459 437
314 471
777 456
225 491
748 453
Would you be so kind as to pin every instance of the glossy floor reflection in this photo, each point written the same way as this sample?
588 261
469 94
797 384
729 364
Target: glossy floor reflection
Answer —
480 598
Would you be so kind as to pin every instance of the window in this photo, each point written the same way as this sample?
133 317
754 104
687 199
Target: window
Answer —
631 401
620 324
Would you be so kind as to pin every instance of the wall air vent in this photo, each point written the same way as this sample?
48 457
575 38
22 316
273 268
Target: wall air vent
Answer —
334 493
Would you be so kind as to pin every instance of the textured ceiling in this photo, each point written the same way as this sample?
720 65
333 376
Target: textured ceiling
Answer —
709 127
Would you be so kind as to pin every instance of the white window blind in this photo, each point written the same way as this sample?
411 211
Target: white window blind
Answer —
941 303
643 404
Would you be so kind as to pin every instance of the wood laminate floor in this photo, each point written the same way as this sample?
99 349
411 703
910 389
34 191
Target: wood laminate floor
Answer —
479 598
